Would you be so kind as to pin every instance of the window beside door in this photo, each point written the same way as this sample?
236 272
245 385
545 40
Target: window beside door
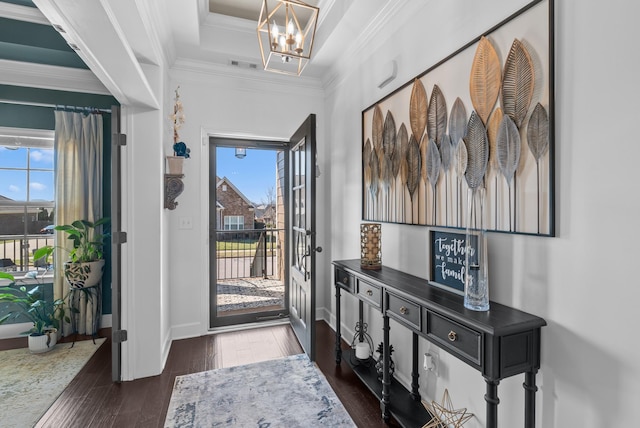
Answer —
26 196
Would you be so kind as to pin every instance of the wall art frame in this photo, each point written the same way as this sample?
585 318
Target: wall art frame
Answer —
481 117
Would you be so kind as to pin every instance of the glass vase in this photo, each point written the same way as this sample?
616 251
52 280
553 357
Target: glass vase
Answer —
476 279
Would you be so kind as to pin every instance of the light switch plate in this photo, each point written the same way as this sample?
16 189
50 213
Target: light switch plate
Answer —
186 223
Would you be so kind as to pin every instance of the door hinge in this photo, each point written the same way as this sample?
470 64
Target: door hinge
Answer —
119 336
119 238
120 139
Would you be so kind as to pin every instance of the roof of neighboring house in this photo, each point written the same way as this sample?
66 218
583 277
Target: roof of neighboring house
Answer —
235 189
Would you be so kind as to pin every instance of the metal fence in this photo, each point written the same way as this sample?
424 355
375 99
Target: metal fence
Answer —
16 251
247 253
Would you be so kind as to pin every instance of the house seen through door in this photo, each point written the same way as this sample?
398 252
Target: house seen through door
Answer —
247 239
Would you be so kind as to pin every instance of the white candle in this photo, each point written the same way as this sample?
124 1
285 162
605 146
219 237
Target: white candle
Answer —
362 350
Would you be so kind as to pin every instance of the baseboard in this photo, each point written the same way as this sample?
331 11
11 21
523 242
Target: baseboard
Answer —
185 331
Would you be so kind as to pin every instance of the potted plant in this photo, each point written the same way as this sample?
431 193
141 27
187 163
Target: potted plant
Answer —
30 304
180 149
86 262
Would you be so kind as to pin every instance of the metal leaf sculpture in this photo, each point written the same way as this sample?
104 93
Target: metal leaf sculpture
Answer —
400 167
538 140
492 132
484 84
457 122
374 164
414 164
402 145
538 132
424 146
366 168
418 109
389 135
461 158
446 153
437 116
377 130
477 151
434 164
517 83
508 148
385 182
508 152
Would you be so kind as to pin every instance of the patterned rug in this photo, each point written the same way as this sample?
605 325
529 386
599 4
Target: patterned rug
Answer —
30 383
285 393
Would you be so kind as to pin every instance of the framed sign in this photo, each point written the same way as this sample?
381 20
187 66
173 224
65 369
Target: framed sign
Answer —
481 117
448 255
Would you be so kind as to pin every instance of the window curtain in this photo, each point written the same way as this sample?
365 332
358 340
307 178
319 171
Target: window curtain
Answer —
78 196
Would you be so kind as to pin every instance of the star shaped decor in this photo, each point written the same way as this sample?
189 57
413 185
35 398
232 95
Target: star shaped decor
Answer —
444 415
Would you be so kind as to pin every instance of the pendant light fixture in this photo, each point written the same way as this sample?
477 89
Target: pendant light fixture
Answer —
286 29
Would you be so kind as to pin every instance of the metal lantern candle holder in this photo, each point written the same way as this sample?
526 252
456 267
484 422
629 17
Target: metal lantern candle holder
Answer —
362 346
371 246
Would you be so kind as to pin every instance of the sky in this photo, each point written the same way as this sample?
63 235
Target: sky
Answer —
252 175
14 183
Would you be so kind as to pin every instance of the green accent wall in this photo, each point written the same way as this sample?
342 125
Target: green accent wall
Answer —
37 117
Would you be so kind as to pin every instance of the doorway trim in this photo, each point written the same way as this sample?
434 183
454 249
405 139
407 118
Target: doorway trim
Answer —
206 135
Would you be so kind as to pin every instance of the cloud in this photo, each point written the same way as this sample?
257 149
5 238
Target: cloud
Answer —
14 188
37 186
42 156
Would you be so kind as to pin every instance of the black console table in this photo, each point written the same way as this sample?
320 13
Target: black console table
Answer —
500 343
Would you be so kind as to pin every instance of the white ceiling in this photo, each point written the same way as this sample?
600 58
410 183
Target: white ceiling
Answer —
122 41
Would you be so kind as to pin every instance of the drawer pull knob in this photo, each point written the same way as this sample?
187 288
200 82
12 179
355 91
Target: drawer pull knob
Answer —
369 292
403 310
345 280
452 336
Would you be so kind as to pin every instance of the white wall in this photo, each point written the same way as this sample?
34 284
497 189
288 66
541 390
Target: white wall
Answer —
243 105
582 281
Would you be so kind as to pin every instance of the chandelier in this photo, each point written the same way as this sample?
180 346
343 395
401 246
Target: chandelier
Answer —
286 29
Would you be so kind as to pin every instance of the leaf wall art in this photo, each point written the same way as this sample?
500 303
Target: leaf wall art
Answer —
481 118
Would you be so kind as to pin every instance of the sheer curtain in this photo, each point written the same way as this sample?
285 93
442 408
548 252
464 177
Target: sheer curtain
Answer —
78 196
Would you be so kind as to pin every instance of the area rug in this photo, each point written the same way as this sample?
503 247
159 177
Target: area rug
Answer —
30 383
285 393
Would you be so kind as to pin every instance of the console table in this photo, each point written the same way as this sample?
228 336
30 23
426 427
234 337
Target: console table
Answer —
499 343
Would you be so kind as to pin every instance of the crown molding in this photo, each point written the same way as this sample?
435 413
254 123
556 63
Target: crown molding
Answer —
22 13
369 39
43 76
202 71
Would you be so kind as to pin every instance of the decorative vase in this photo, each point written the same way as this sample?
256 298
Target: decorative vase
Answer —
370 246
174 164
83 275
476 279
44 342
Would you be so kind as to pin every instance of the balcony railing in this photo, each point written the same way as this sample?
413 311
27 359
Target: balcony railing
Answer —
16 251
248 253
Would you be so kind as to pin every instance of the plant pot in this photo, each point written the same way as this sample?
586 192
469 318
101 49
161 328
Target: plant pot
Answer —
174 164
44 342
83 275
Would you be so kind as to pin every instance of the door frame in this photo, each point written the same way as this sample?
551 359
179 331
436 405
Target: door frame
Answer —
213 141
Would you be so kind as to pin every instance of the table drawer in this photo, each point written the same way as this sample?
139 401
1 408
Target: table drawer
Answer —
455 337
344 280
404 311
370 293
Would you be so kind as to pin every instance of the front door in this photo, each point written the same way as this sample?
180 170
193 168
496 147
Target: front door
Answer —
302 257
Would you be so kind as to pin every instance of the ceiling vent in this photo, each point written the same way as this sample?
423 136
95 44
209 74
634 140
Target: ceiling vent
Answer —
243 64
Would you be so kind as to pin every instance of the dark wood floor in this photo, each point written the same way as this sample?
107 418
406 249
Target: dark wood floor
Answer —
92 400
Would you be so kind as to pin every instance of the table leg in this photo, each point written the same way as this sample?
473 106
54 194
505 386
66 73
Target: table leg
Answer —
530 390
338 335
491 397
386 376
415 374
